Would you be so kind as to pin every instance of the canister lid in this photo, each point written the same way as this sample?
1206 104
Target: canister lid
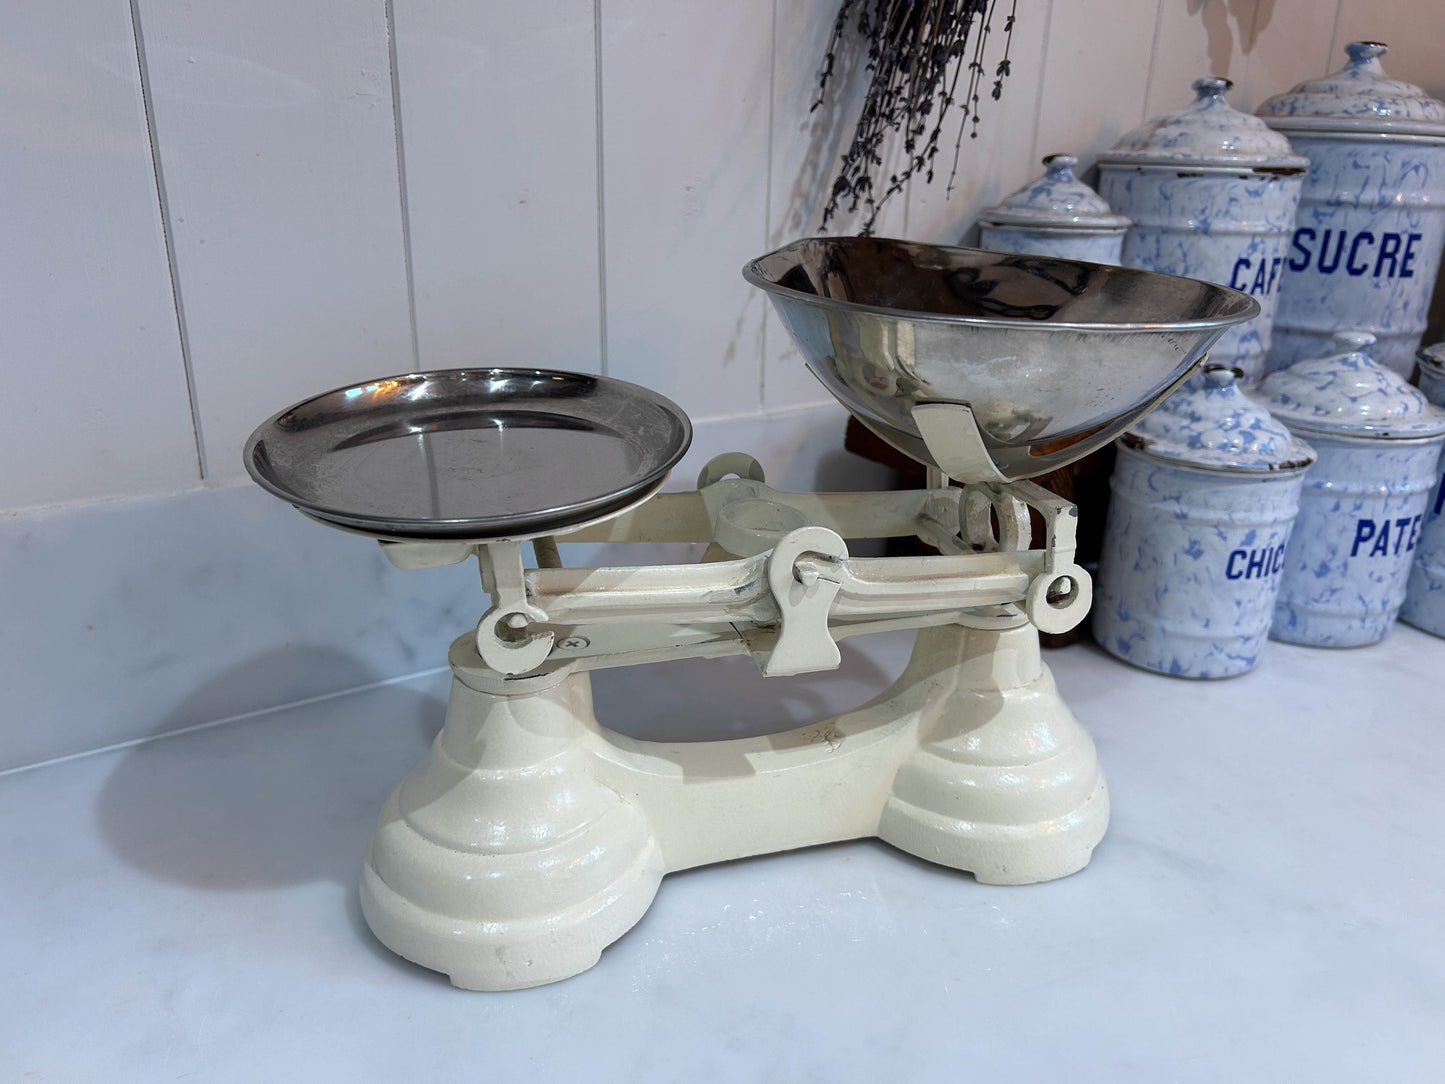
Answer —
1207 132
1213 425
1432 360
1359 97
1347 394
1057 200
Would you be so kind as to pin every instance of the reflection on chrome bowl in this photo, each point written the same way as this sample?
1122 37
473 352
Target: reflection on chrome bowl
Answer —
1054 357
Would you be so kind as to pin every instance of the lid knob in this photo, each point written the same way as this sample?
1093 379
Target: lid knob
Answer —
1220 376
1353 341
1362 52
1060 166
1211 86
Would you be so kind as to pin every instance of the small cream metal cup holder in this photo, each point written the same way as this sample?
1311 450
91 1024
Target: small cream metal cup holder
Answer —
533 837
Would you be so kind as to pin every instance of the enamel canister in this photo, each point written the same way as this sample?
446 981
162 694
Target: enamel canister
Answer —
1212 193
1366 248
1365 498
1055 215
1204 494
1425 593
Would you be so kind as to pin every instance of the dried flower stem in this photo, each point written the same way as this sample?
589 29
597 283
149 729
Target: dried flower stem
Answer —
917 52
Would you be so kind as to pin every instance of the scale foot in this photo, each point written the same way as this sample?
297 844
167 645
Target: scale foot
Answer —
480 951
1006 784
501 860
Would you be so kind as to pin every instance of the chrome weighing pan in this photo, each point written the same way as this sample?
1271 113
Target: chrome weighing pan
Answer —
1053 357
474 454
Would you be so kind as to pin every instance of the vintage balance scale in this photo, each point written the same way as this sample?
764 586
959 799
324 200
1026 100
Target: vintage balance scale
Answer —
532 837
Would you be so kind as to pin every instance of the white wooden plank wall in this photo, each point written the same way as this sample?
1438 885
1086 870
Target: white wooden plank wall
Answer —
685 96
346 188
499 125
95 400
278 159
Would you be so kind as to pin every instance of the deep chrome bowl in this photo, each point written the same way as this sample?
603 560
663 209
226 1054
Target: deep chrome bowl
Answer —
1054 357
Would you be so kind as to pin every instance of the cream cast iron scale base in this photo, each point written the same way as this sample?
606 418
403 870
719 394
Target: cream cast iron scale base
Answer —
533 837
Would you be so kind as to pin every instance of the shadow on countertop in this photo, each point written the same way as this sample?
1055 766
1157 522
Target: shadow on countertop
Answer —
240 807
719 699
253 806
244 806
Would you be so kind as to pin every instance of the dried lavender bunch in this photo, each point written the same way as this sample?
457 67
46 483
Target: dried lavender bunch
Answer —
918 51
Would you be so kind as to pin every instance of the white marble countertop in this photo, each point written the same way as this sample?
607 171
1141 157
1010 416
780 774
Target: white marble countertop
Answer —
1269 904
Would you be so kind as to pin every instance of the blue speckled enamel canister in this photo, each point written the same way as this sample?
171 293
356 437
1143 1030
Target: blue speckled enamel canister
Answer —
1425 595
1055 215
1366 249
1212 193
1203 497
1364 500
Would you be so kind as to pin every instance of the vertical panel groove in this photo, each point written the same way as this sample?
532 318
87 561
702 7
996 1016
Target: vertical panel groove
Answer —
1153 55
181 330
1334 39
601 192
1039 95
401 183
768 193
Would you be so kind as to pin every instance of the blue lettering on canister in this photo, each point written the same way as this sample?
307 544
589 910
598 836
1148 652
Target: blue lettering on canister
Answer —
1255 564
1389 249
1259 280
1360 238
1392 259
1334 264
1406 271
1364 531
1301 235
1389 537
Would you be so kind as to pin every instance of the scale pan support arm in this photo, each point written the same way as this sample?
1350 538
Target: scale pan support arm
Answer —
952 438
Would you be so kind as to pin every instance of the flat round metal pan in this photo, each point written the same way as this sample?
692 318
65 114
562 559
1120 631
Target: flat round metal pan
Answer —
470 453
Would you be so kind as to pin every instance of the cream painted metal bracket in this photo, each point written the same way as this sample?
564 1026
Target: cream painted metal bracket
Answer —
507 638
951 434
804 596
1057 598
